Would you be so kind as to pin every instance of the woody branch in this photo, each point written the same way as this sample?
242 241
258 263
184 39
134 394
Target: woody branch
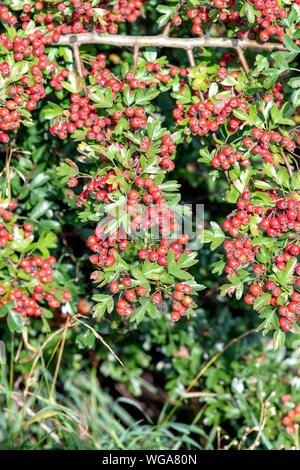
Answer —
165 41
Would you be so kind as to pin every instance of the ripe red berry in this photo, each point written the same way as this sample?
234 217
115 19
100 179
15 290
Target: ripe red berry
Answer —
156 298
114 287
66 295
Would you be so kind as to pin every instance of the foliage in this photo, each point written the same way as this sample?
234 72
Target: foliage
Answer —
109 313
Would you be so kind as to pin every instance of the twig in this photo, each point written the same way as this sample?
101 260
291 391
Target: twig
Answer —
191 58
262 423
169 24
207 33
136 56
9 153
228 177
243 61
294 159
78 64
287 164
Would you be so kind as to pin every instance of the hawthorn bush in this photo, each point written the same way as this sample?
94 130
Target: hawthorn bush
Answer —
104 106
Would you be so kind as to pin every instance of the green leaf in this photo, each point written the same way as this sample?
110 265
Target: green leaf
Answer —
251 13
186 260
262 300
51 110
139 276
268 323
140 312
6 308
279 339
183 98
167 13
282 177
294 82
243 180
128 96
40 209
39 180
103 98
15 322
105 304
46 241
213 90
240 114
289 44
154 129
175 268
20 243
152 270
275 114
143 97
218 236
65 172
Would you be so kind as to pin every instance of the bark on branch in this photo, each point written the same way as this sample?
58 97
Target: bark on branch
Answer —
164 41
77 59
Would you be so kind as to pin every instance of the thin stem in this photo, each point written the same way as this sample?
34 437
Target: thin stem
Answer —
228 177
11 366
9 152
243 61
203 370
59 358
169 24
208 31
287 164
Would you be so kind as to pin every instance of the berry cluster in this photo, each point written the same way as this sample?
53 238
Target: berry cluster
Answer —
201 15
106 254
239 253
182 300
282 217
32 284
75 16
275 220
144 204
158 72
28 305
227 156
81 114
269 18
291 416
268 23
24 85
209 114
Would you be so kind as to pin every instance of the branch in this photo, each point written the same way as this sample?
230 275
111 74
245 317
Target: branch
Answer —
208 31
191 58
243 61
77 59
287 164
136 56
163 41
